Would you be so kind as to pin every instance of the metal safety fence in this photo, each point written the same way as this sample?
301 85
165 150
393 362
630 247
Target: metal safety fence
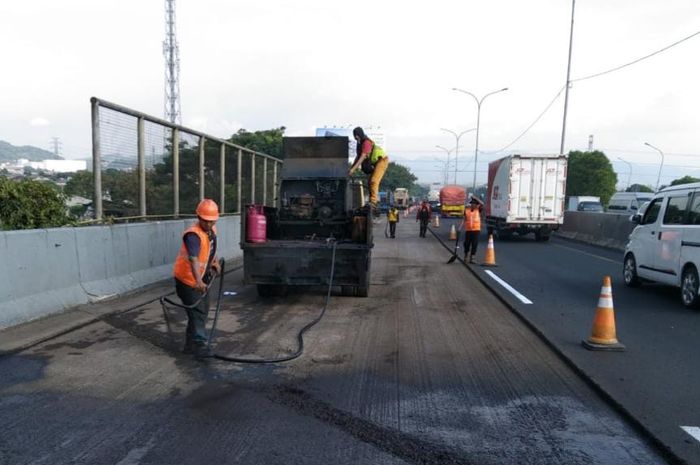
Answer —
146 167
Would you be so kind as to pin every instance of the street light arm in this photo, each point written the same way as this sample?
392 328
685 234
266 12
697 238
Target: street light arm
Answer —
491 93
468 93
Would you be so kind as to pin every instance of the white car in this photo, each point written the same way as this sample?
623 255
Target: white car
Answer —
628 202
665 247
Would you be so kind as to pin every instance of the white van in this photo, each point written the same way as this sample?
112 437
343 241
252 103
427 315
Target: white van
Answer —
628 202
665 247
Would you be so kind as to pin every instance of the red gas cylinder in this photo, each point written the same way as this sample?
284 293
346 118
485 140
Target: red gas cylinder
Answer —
256 224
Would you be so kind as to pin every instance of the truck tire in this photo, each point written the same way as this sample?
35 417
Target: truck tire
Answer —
271 290
542 234
347 291
504 234
361 291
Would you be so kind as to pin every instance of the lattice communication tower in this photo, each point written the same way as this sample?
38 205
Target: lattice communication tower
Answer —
172 66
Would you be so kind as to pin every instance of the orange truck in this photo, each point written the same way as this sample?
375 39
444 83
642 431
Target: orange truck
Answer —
452 201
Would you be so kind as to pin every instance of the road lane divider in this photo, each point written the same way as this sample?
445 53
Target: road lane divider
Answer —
508 287
694 431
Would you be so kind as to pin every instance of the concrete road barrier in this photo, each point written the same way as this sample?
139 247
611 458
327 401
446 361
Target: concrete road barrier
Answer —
606 229
45 271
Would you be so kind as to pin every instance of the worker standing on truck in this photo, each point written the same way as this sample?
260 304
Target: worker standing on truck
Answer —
472 227
373 161
192 270
393 217
423 215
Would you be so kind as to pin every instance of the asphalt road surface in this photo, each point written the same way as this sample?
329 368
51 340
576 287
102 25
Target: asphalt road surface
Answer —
430 369
657 379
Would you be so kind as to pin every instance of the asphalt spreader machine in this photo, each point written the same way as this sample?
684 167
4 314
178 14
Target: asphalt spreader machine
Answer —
318 233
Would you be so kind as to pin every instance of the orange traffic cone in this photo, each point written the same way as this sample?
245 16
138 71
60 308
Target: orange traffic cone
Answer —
453 233
436 221
603 335
490 259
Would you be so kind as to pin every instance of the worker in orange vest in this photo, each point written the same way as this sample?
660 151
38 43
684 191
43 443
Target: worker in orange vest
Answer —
193 272
472 227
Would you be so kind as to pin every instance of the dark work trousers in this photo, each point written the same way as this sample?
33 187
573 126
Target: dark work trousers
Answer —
471 240
392 229
196 317
423 227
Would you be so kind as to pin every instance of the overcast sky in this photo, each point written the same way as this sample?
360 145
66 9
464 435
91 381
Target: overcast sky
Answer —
259 64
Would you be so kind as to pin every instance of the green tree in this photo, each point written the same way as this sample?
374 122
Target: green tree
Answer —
81 183
29 204
684 180
397 175
268 141
639 188
590 173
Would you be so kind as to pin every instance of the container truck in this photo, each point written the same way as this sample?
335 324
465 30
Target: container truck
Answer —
526 194
318 207
401 198
452 201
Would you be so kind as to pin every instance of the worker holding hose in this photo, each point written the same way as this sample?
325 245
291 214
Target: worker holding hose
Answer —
193 272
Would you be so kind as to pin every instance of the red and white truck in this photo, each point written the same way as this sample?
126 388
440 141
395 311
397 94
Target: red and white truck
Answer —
526 194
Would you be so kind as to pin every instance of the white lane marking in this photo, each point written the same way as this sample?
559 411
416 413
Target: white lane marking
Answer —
510 288
589 254
694 431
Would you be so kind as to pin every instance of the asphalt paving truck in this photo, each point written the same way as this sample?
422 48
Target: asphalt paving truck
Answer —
318 212
526 194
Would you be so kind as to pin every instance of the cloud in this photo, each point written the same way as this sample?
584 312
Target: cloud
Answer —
39 122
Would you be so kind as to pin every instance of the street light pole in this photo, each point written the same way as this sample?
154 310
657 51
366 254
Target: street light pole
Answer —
658 179
447 164
478 122
629 175
568 79
457 137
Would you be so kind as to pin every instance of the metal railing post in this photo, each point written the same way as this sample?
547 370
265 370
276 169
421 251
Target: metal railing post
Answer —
238 182
176 172
252 178
96 158
141 153
274 182
202 143
264 181
222 179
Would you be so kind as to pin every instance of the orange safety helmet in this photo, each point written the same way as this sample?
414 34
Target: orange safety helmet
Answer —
208 210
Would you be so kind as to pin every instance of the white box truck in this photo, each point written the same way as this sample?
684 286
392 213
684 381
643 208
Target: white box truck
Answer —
401 198
526 194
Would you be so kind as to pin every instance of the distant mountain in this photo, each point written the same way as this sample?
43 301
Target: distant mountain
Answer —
12 152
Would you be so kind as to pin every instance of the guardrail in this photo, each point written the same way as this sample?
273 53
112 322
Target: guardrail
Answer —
146 166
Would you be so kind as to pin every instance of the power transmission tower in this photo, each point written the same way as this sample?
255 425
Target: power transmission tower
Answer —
590 143
56 146
171 51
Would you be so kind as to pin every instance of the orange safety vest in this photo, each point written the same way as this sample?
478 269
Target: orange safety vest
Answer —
183 268
472 219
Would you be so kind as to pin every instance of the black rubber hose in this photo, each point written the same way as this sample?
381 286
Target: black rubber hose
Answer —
300 335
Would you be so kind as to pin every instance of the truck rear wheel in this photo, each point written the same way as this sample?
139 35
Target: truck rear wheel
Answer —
542 234
347 291
271 290
362 291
